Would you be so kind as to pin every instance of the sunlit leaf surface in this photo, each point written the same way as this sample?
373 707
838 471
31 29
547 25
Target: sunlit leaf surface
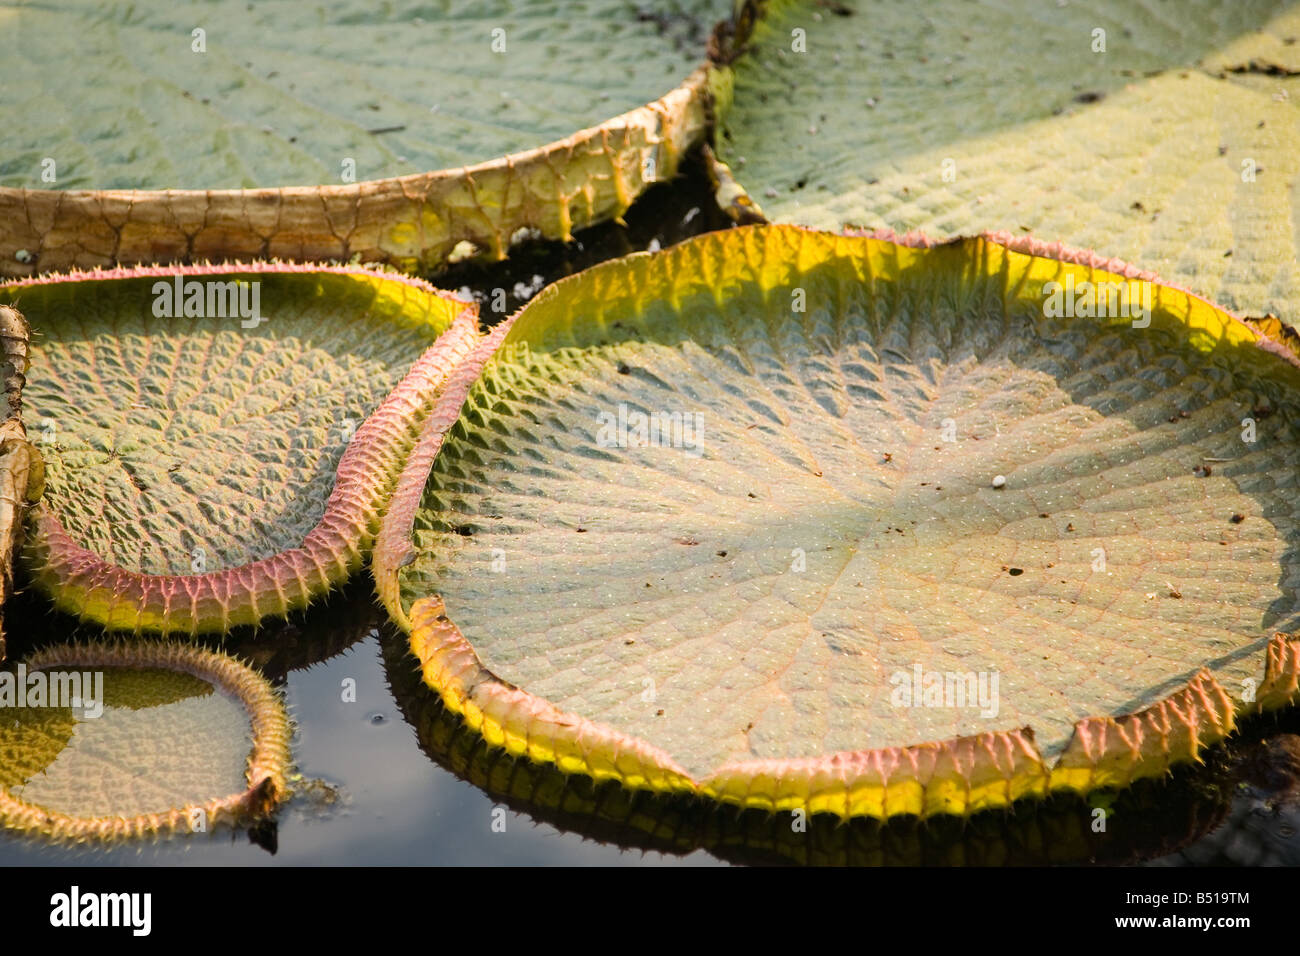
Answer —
1167 148
875 468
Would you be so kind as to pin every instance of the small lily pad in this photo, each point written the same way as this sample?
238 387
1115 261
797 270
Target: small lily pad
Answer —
110 742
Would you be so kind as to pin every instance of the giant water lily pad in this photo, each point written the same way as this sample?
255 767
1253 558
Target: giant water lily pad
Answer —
402 134
209 466
113 742
1129 127
801 520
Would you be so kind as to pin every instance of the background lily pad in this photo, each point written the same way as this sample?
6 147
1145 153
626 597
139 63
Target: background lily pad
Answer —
405 134
732 610
284 93
965 117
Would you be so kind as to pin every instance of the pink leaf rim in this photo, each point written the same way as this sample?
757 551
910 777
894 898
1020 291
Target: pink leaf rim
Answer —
88 586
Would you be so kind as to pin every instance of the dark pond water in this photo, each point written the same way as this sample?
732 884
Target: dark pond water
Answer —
392 779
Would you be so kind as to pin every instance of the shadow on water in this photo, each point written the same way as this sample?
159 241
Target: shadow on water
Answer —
665 215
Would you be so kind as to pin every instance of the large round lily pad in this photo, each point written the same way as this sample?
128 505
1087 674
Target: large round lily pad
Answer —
804 520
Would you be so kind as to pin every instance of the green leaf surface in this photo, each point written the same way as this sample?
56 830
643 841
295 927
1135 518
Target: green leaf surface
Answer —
285 93
1000 115
183 448
163 740
111 741
164 435
758 587
1269 50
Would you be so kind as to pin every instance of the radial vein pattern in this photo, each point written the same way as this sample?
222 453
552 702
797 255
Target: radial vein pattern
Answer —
875 468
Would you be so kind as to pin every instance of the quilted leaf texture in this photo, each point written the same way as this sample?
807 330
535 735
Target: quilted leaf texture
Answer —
1154 132
161 739
800 520
208 469
207 130
1143 821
